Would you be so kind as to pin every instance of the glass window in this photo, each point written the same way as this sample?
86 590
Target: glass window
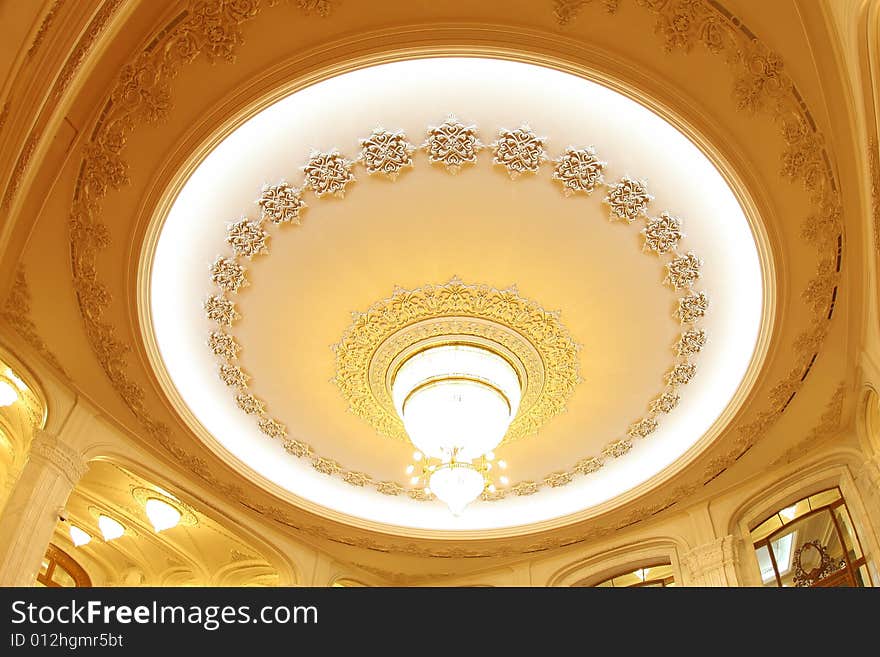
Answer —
653 575
810 543
59 569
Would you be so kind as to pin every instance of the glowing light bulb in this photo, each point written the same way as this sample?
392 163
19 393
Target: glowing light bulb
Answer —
110 529
490 456
410 469
504 480
21 385
161 514
488 466
414 480
8 395
502 464
492 488
78 536
417 456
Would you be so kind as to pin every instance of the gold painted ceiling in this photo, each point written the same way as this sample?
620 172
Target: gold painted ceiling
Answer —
148 90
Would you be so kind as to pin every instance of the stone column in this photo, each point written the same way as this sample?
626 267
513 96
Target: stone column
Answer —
867 480
712 564
50 474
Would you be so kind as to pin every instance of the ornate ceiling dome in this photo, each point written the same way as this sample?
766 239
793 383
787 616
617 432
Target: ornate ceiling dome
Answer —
582 238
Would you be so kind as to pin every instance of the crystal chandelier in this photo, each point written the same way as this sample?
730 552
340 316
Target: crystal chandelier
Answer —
456 402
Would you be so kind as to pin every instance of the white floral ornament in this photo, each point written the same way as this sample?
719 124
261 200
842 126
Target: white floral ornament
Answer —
228 274
691 342
452 144
487 495
233 376
386 153
617 449
663 233
224 345
356 478
588 465
389 488
579 170
628 199
643 428
328 173
249 404
247 238
692 307
281 203
272 428
298 448
221 310
665 403
557 479
681 374
519 151
524 488
683 271
326 466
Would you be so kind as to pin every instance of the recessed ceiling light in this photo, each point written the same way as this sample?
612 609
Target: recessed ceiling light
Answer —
161 514
78 536
110 529
8 395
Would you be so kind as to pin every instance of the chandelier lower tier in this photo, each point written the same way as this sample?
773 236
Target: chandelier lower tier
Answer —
456 402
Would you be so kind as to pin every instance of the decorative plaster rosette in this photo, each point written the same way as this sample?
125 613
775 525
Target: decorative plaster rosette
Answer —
533 339
545 352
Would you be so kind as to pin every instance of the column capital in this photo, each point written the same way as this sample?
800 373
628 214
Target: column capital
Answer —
65 459
713 563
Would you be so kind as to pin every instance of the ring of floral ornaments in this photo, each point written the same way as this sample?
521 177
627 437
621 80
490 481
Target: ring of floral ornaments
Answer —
455 145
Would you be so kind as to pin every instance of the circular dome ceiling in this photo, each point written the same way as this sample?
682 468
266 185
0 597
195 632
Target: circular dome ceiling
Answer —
346 226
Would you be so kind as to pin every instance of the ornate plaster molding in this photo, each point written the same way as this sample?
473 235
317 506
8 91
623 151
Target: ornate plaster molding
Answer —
713 563
184 41
829 424
65 459
762 88
535 337
17 310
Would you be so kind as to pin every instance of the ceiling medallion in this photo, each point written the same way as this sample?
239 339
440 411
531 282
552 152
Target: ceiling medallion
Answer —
498 335
529 337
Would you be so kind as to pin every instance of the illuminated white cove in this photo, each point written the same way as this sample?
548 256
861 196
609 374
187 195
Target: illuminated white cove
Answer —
552 259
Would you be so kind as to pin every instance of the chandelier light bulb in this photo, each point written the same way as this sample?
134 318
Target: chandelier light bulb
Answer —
8 394
110 529
410 469
504 480
502 464
161 514
417 456
78 536
490 456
